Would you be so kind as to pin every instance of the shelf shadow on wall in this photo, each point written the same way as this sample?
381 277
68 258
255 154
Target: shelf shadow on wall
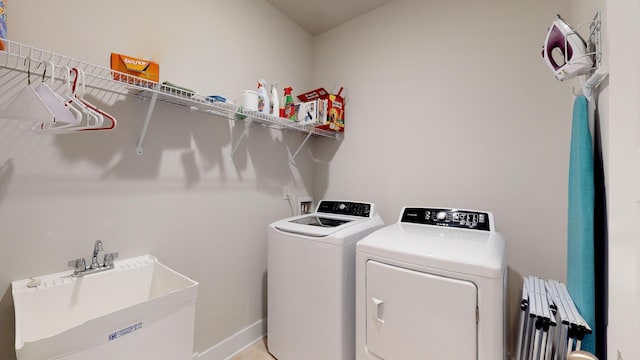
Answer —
173 136
187 146
269 151
325 150
240 132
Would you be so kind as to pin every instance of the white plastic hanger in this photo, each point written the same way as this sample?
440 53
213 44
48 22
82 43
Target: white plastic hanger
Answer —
72 105
37 104
92 118
101 115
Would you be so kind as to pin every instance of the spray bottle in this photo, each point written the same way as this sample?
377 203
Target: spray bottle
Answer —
275 103
289 107
263 97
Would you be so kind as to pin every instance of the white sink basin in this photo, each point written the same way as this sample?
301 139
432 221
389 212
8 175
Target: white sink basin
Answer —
140 309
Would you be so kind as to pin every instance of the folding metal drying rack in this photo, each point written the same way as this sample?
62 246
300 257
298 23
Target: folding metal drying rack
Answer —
16 55
551 326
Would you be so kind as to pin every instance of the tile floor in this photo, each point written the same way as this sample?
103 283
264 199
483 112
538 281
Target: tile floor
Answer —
257 351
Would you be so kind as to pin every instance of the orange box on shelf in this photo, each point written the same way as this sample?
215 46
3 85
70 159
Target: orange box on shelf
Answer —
335 108
144 69
3 23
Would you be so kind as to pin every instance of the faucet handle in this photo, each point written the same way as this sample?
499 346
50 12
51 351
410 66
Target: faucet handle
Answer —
109 257
78 264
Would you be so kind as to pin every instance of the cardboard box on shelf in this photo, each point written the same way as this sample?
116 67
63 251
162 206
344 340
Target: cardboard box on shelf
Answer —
312 112
319 93
3 23
334 120
144 69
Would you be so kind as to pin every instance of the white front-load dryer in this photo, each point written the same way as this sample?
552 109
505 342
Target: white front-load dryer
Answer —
311 281
432 286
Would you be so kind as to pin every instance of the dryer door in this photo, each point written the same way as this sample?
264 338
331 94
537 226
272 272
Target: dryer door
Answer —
415 315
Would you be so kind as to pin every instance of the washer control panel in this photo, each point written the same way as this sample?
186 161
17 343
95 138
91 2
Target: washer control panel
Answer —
345 208
466 219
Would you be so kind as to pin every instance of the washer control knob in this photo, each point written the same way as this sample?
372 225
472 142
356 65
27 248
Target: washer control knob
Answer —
342 206
442 215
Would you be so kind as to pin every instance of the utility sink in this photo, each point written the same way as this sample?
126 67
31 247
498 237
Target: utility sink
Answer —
141 309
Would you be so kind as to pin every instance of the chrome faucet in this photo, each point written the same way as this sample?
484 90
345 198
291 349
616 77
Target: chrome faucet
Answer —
96 249
80 266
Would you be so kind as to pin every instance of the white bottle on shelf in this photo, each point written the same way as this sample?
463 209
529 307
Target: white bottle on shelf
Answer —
263 97
275 103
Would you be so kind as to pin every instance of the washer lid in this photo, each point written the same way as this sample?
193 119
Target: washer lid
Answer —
316 220
330 217
316 225
480 253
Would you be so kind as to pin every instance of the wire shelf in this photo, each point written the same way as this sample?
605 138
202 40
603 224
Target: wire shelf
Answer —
19 57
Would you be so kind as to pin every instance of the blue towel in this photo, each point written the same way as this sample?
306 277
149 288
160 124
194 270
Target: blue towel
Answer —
580 256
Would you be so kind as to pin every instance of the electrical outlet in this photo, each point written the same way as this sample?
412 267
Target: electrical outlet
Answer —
304 205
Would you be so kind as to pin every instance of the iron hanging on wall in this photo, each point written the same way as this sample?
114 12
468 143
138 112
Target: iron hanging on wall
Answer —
565 52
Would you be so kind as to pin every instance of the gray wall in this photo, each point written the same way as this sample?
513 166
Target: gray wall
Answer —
450 104
187 201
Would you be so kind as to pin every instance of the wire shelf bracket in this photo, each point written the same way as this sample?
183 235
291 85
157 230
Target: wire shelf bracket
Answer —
293 157
152 105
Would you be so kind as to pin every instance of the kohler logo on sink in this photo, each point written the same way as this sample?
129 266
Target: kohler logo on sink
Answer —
125 331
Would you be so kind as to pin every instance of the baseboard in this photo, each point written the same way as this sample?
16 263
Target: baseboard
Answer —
235 343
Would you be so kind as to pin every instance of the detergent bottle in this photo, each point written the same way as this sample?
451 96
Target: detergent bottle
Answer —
289 107
263 97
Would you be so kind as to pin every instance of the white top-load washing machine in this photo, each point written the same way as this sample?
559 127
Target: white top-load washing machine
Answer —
432 286
311 281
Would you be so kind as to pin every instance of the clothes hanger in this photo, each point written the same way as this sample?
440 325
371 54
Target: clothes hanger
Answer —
36 104
101 114
94 118
87 118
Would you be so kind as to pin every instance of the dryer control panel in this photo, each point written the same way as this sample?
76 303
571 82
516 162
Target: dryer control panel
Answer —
466 219
345 208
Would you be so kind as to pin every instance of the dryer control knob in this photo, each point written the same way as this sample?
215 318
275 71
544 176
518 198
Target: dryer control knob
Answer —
442 215
342 206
